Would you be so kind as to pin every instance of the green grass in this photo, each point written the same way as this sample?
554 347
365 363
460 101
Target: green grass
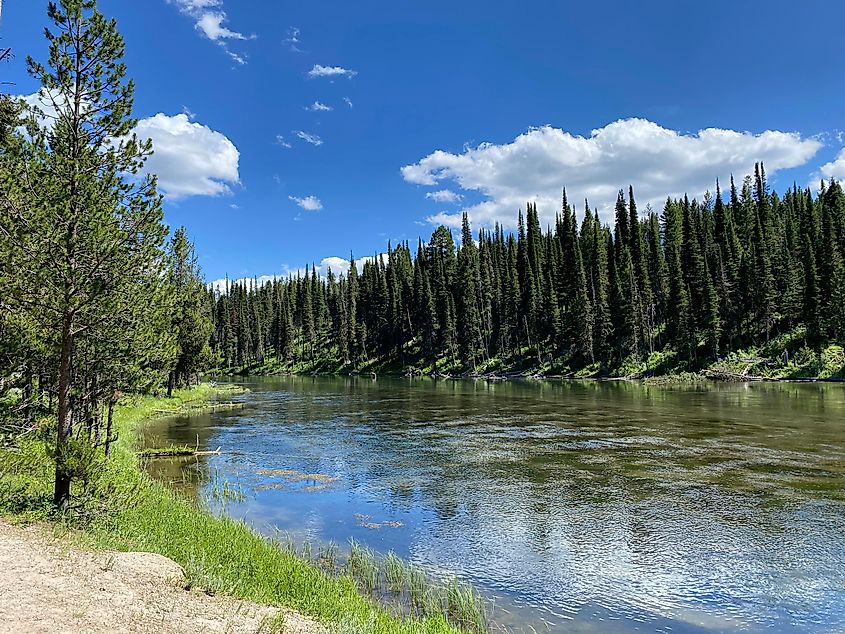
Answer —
766 361
659 367
164 452
124 509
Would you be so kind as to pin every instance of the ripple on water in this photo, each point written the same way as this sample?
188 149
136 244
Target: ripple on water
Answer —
583 508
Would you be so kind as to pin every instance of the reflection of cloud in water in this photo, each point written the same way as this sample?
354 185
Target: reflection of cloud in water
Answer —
615 505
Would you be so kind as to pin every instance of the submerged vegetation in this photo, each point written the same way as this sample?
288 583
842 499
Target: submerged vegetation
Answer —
103 311
125 509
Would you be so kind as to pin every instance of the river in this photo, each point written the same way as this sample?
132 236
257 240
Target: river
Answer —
577 506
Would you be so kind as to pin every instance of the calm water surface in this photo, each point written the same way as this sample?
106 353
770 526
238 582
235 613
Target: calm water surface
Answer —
580 507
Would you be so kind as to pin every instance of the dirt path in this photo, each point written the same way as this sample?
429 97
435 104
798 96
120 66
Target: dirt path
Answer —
48 586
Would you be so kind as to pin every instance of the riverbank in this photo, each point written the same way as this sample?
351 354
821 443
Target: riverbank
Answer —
49 585
125 510
784 358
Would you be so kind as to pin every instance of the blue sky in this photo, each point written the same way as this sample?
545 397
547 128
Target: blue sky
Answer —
449 106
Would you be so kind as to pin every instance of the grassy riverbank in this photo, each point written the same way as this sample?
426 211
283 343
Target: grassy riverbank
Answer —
123 509
767 362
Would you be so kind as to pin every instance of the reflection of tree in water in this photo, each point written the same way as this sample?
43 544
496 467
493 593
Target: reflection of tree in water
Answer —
185 474
583 483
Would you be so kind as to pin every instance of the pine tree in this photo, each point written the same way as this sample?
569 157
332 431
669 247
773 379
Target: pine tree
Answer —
191 318
82 234
603 328
470 340
678 318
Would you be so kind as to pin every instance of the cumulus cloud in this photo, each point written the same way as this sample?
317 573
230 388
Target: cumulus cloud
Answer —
190 159
337 265
211 24
209 19
319 107
443 196
220 285
658 162
331 71
835 169
309 203
340 266
42 105
313 139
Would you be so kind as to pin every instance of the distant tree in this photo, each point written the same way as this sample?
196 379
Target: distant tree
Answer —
191 318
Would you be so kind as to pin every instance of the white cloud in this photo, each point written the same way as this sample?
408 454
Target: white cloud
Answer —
280 140
240 59
657 161
261 280
190 159
444 196
319 107
347 101
835 169
338 266
292 40
331 71
313 139
309 203
209 19
211 24
43 106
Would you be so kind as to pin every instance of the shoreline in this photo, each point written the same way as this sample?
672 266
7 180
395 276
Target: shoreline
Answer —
128 511
785 358
688 378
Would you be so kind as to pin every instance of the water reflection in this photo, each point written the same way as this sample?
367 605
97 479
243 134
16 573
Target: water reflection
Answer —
610 507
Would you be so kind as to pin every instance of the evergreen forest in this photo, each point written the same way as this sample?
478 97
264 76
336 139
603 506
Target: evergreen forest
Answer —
677 290
98 297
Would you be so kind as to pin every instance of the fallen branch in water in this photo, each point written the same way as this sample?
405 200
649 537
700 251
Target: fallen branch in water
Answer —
176 452
198 409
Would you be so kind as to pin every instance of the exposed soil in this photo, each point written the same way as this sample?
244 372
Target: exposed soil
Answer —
47 585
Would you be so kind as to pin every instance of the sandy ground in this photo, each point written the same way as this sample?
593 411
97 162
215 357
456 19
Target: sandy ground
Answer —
48 586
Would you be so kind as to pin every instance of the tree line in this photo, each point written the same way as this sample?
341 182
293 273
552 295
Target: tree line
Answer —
95 298
699 279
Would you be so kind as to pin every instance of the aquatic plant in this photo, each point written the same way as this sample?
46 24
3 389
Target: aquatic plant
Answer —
417 588
463 606
219 554
395 572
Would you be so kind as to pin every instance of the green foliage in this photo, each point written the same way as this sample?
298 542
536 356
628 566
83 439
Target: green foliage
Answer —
191 315
79 459
127 510
700 280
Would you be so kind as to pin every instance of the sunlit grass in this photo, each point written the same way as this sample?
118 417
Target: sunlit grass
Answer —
131 511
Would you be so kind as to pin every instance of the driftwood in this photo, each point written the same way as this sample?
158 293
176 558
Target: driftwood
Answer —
724 375
207 453
178 452
200 409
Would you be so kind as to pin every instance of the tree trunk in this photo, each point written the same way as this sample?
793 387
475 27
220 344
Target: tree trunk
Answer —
61 490
109 421
95 409
171 380
27 395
